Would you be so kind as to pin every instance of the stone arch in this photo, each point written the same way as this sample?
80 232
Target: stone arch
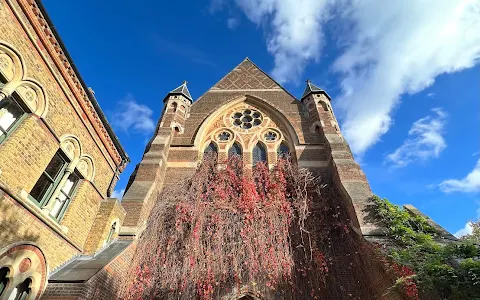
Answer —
208 143
86 167
262 104
72 147
12 67
25 260
33 96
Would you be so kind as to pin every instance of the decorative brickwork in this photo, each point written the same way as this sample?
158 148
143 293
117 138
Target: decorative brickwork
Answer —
246 76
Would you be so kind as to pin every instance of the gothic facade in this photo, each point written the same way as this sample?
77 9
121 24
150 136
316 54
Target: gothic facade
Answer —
62 236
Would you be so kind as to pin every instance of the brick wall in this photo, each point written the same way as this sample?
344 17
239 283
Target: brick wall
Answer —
17 224
110 211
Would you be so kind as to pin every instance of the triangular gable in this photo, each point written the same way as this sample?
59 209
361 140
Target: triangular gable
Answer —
246 76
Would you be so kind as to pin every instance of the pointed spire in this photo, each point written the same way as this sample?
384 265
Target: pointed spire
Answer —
311 88
182 90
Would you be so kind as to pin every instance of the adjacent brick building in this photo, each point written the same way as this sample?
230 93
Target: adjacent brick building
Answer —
62 237
59 158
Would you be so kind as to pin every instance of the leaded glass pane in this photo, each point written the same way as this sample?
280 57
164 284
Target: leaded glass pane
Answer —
259 154
235 150
211 148
283 150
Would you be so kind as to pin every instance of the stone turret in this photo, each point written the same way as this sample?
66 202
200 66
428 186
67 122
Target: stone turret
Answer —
148 178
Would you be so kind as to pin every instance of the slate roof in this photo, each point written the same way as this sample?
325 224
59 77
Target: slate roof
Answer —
312 88
182 90
84 267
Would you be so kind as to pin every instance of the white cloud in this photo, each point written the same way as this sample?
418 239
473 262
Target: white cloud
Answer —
431 95
388 48
118 194
424 140
468 184
293 29
398 47
130 115
233 23
468 229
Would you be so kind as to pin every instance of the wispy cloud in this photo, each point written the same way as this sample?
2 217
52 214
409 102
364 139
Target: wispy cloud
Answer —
132 116
387 49
233 23
431 95
186 51
293 29
468 229
424 140
397 48
118 194
468 184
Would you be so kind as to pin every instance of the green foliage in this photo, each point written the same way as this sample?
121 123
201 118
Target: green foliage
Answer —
450 270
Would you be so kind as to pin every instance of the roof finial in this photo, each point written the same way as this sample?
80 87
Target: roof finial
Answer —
308 81
185 82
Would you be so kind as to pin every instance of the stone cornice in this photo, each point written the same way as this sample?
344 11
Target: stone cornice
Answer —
60 57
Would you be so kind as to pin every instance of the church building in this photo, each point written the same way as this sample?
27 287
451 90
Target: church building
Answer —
63 237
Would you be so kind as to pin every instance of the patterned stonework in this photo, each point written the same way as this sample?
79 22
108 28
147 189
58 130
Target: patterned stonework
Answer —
246 137
246 76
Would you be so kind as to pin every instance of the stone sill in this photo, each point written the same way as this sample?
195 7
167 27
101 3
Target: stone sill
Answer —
22 199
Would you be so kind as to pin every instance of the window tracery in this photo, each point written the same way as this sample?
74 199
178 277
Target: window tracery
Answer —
247 118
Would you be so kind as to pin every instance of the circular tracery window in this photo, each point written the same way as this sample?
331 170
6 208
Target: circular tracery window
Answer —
270 136
224 136
247 118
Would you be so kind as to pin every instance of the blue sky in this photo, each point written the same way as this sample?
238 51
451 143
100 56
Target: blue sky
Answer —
404 78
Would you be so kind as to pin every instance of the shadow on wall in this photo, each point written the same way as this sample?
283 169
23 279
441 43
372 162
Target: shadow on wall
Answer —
11 228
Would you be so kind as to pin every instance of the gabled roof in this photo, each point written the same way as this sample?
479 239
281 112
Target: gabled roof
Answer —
311 88
246 76
182 90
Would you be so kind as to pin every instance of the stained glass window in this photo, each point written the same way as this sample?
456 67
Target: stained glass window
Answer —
283 150
224 136
259 154
247 118
211 148
236 149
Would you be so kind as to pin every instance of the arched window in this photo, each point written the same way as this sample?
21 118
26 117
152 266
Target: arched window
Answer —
3 279
259 154
283 150
47 192
11 113
111 232
236 149
211 148
21 291
174 106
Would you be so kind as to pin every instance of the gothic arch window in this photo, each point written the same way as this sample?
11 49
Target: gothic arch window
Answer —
113 228
211 148
4 272
283 150
174 106
259 154
235 149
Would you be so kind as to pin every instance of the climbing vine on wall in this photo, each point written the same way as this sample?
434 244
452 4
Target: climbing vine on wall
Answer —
426 266
225 224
